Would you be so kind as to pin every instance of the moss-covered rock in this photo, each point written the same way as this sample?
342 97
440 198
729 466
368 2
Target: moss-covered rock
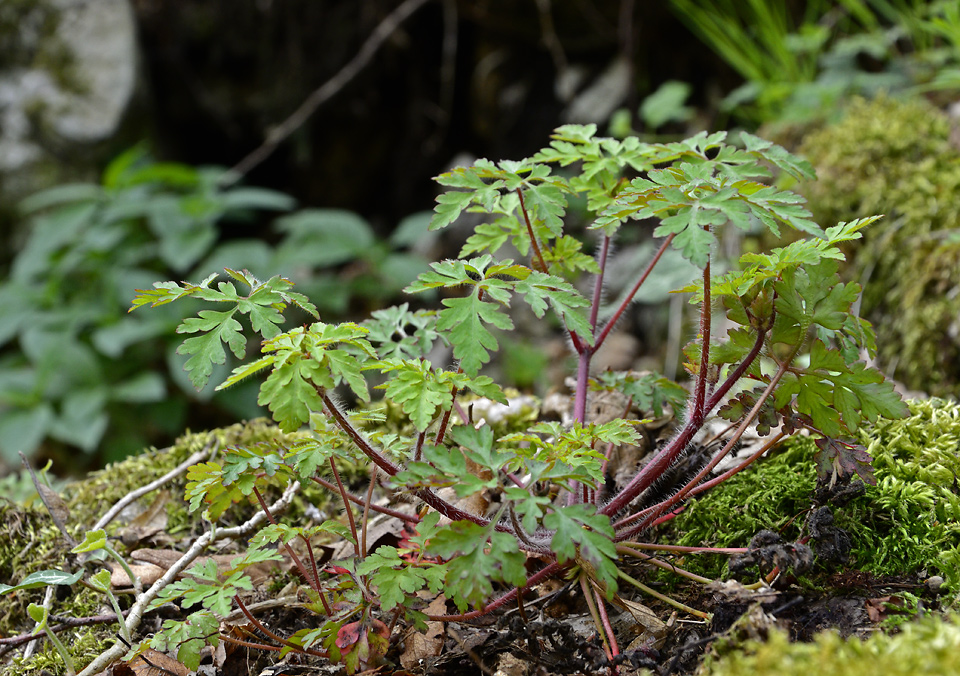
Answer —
929 646
906 524
896 158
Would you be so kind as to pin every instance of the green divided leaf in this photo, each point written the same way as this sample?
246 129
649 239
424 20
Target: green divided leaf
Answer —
483 556
397 579
206 350
264 305
584 536
466 321
188 637
540 289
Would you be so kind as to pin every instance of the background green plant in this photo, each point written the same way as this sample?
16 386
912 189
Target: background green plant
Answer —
897 156
77 371
800 66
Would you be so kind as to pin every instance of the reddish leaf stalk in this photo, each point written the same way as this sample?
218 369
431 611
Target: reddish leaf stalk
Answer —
249 644
598 283
705 316
747 420
543 574
681 549
633 292
428 496
418 449
366 509
269 634
346 508
707 485
533 238
663 459
409 518
445 419
607 628
646 558
313 579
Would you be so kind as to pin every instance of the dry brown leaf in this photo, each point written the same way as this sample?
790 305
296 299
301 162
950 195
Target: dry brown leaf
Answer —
420 646
152 663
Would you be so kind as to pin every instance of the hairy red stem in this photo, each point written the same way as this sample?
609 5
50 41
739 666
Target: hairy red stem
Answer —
664 458
538 577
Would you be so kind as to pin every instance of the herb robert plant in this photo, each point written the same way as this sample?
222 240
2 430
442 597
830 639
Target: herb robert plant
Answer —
783 305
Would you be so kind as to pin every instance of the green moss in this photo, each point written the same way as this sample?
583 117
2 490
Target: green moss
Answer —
84 643
908 523
768 495
929 646
34 543
93 496
896 158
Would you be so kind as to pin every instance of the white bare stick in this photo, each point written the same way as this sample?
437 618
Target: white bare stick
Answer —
326 91
138 608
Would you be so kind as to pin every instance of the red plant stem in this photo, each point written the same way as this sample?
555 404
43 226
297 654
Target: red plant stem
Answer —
664 458
432 499
313 567
705 316
279 639
682 549
418 449
248 644
538 577
646 558
598 283
747 420
346 508
583 376
312 580
366 510
409 518
368 450
633 292
707 485
533 238
607 628
445 420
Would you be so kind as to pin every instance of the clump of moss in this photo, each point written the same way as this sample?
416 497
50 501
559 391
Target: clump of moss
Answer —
34 543
896 158
85 645
93 496
768 495
908 523
928 646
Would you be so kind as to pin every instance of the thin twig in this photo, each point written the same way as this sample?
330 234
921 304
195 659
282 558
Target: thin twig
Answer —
326 91
154 485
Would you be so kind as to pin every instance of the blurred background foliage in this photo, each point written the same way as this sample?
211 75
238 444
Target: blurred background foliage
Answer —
340 197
